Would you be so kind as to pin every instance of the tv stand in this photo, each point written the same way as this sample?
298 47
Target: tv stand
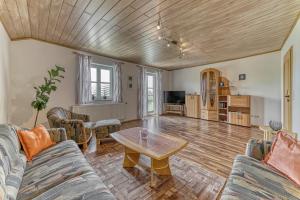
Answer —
172 108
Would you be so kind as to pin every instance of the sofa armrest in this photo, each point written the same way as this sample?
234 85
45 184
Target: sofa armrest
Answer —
57 134
73 122
83 117
258 149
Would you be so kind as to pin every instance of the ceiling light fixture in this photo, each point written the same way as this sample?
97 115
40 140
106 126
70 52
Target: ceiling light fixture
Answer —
169 40
159 23
181 53
158 26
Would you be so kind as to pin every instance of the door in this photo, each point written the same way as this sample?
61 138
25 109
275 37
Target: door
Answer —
287 85
151 93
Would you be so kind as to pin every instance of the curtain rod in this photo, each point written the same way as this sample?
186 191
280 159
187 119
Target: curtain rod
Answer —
150 67
89 54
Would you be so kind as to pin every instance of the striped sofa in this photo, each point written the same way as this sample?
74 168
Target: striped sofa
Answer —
250 179
59 172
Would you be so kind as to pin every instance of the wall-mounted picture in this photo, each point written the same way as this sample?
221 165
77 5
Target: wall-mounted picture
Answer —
242 77
130 82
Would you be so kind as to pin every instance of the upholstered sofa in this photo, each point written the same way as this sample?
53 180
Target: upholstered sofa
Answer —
251 179
59 172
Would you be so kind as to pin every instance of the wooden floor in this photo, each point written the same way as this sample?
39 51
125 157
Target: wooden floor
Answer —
213 145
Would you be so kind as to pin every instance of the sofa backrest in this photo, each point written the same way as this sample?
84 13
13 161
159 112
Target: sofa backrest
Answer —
12 162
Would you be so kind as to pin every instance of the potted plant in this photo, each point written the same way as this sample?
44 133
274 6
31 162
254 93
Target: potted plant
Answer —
42 92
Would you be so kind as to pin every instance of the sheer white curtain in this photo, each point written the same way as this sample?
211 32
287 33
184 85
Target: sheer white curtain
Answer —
117 92
84 95
142 109
159 93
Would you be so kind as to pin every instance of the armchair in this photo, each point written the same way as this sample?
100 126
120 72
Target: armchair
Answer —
73 123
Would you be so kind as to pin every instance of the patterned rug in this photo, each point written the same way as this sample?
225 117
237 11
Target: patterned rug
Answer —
188 180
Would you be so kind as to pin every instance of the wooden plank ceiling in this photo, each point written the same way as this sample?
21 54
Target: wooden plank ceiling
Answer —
209 30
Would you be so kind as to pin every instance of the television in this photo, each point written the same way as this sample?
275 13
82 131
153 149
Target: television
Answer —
176 97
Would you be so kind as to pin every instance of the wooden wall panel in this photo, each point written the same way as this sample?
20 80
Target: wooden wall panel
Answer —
8 23
15 16
93 6
34 18
44 10
210 31
23 11
97 18
74 17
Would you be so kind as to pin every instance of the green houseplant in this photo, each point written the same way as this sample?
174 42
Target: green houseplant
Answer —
42 92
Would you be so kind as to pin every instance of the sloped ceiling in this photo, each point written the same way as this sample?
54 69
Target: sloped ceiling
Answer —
209 30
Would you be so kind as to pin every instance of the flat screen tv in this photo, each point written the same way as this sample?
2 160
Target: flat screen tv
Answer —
176 97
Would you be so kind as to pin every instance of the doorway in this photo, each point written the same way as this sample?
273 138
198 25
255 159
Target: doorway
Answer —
151 79
287 88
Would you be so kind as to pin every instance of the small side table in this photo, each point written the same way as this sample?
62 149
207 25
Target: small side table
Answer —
268 132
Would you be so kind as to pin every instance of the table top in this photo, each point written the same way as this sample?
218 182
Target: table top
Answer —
265 128
157 145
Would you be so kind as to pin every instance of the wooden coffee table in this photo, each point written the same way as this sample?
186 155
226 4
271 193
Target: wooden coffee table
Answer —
159 147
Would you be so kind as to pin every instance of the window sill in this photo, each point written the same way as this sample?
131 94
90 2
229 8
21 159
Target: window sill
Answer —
99 103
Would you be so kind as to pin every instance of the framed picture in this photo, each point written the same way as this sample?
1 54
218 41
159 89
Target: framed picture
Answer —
130 81
242 77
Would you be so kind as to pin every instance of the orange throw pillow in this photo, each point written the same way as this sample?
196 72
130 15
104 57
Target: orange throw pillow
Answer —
285 156
35 140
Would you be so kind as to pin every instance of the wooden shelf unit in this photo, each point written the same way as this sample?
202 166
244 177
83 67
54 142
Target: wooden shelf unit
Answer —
223 92
239 110
223 108
217 104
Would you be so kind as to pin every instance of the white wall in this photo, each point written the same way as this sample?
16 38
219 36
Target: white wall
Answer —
294 41
263 82
4 74
32 59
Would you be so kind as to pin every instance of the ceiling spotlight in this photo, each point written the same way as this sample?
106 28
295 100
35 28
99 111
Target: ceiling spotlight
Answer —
159 37
158 26
168 45
159 23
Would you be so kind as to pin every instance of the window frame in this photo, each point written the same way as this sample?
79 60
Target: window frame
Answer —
154 92
99 82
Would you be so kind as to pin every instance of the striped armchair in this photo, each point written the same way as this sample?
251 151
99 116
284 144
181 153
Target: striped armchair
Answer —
73 123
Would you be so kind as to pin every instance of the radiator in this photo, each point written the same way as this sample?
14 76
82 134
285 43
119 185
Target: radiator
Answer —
102 111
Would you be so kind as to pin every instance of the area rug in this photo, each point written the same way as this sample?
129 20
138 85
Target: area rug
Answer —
188 180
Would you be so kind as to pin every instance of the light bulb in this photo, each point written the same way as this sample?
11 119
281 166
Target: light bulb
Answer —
168 45
158 23
159 37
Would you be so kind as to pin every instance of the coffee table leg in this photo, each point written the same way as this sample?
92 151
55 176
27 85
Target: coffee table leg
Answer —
131 158
160 167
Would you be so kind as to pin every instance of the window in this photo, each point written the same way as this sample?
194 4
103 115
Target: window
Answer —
101 82
151 100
